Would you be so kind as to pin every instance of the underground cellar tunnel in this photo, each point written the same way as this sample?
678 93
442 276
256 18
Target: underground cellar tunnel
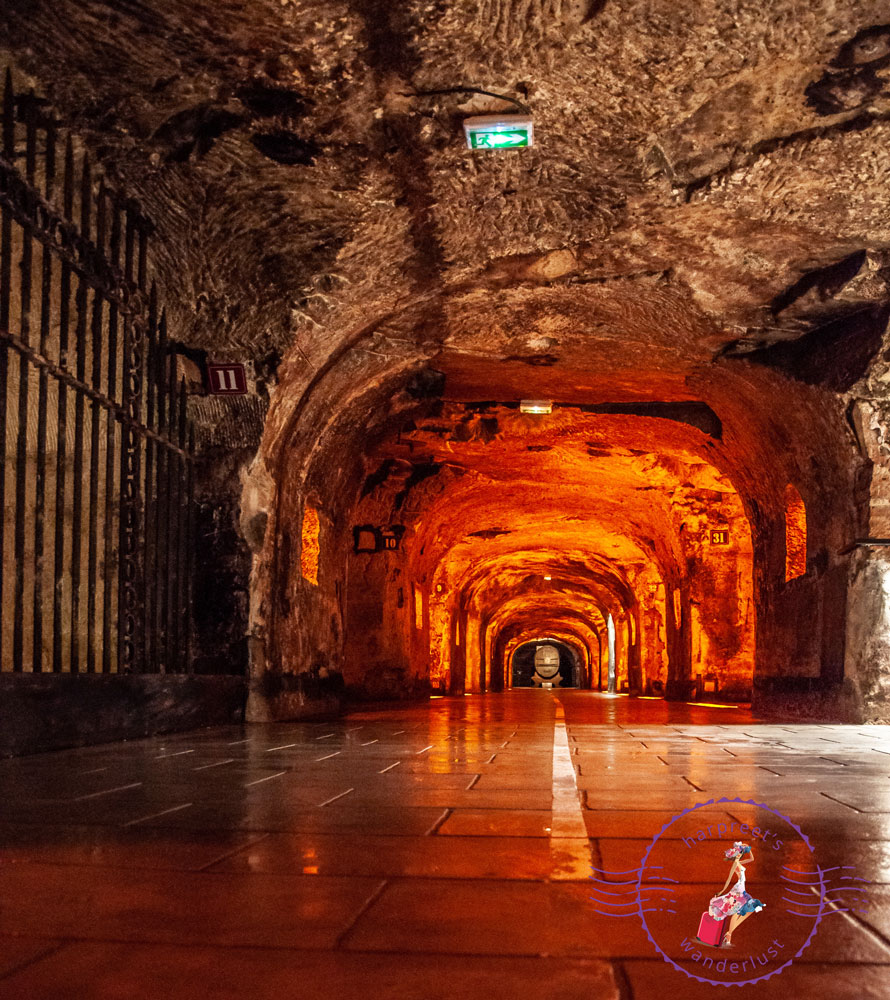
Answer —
444 446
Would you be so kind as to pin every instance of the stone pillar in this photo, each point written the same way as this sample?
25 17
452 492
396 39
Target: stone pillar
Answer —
867 656
867 644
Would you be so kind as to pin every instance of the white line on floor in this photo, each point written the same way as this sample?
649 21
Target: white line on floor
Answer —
370 742
567 818
267 778
430 747
334 798
107 791
286 746
96 770
179 753
237 742
391 766
163 812
326 736
317 759
216 763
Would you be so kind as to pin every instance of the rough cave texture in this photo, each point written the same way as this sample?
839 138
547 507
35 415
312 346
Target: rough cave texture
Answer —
692 263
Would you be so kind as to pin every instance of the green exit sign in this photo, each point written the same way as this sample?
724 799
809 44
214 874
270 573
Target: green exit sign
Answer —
499 132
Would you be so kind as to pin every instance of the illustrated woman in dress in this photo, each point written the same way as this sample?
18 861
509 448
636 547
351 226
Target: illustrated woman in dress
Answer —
737 904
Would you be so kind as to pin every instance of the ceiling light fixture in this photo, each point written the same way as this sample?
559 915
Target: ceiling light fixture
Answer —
535 406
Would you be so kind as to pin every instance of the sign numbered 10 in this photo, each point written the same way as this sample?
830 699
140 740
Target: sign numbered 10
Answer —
227 380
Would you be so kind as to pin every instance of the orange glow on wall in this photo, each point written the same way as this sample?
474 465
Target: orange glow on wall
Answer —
418 607
483 543
795 534
309 547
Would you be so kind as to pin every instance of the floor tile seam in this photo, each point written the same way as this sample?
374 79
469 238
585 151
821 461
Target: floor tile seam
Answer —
450 881
344 831
867 928
124 867
797 962
220 875
368 904
232 853
314 949
584 957
58 945
531 956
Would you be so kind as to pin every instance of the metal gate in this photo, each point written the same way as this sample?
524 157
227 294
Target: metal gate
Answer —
96 467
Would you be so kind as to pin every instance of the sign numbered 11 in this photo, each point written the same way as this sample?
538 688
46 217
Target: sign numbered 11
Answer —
227 380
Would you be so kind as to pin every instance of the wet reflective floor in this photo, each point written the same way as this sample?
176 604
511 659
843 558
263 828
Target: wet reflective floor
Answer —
446 851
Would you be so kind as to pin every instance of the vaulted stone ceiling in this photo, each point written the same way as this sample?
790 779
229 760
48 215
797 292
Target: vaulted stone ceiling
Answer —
708 177
702 224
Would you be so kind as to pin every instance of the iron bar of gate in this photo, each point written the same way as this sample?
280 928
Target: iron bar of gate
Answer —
189 549
150 493
181 561
8 144
62 419
176 500
172 520
81 306
93 512
162 463
21 458
163 532
109 574
46 280
142 336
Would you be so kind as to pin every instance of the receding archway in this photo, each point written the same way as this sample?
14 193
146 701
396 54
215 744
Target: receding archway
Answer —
545 661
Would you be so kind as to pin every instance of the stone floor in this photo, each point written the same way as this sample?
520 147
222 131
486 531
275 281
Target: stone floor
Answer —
442 851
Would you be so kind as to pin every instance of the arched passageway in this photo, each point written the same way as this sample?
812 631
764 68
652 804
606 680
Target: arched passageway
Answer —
329 440
547 662
309 398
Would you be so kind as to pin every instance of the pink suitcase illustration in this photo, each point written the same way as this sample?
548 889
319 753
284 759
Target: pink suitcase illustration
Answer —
710 931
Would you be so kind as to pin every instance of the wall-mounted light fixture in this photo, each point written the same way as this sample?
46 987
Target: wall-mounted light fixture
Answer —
535 406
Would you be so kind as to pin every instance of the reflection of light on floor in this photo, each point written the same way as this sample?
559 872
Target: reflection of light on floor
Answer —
435 697
649 697
709 704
